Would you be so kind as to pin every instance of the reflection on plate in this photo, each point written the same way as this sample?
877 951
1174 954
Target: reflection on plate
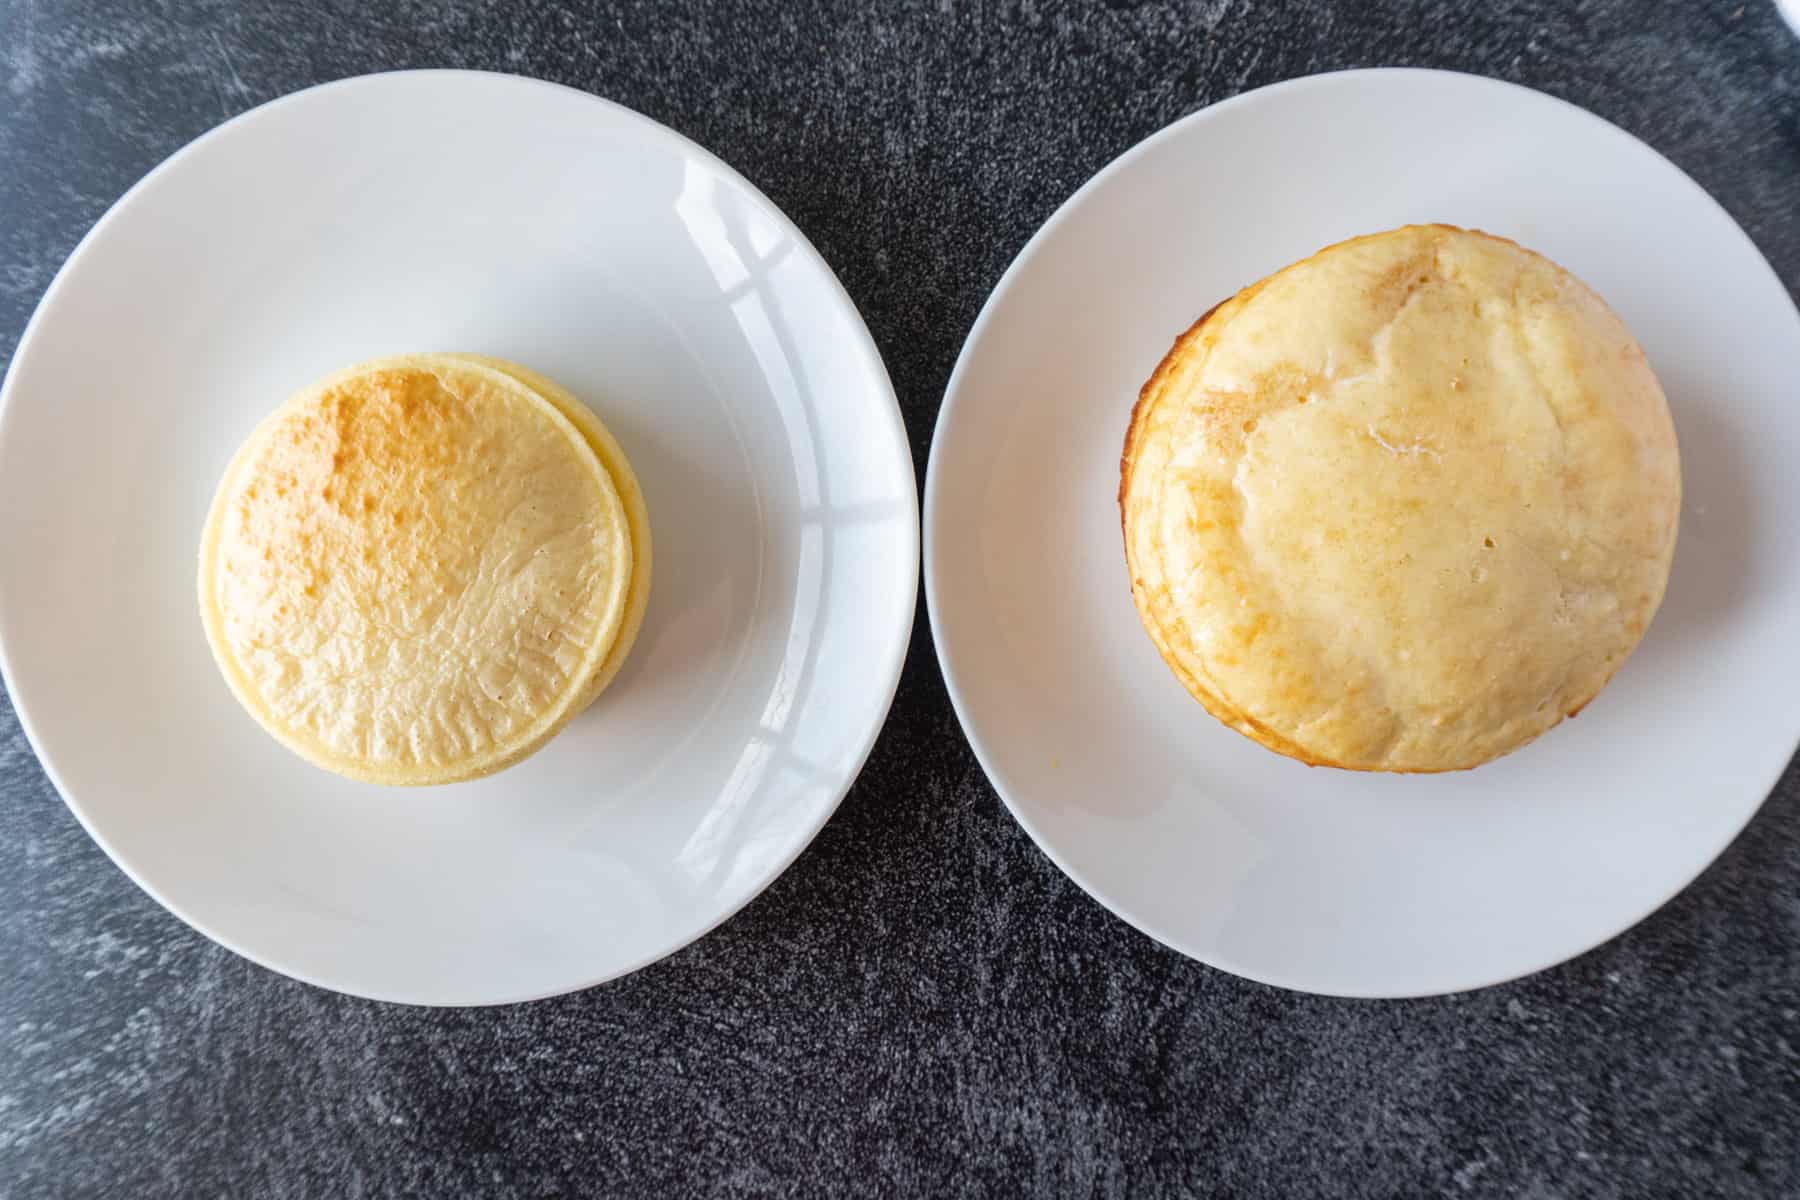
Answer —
617 258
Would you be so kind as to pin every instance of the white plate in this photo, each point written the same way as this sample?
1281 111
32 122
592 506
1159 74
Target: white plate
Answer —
1323 880
460 211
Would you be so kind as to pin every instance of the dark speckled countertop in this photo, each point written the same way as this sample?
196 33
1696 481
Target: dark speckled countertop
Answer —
923 1005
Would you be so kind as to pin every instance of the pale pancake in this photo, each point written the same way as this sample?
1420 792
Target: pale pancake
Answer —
1403 505
412 571
625 481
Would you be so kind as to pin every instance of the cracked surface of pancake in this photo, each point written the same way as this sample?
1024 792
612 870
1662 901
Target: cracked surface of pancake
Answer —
625 482
413 570
1403 505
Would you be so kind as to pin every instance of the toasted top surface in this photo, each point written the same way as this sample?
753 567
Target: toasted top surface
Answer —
1404 504
412 569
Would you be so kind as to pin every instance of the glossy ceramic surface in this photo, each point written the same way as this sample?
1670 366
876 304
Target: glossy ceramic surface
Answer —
486 213
1324 880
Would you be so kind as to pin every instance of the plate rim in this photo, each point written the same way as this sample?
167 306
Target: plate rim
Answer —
952 396
889 672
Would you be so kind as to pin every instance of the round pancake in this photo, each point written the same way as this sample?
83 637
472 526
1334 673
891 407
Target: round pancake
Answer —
412 570
625 482
1403 505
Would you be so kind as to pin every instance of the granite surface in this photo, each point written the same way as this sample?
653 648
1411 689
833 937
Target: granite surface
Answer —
923 1005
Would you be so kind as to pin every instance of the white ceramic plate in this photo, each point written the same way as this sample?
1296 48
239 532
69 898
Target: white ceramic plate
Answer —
1323 880
448 210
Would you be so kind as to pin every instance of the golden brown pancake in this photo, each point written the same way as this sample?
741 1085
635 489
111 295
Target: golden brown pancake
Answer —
413 571
1402 506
